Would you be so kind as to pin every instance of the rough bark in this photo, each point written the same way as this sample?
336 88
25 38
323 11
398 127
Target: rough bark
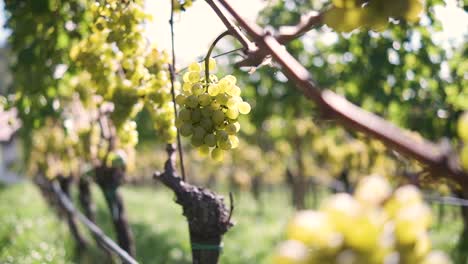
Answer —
65 184
109 180
207 216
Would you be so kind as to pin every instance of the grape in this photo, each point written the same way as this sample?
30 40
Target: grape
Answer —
195 67
244 108
462 127
232 113
213 90
231 129
199 132
185 114
217 154
234 141
191 101
207 124
210 140
218 117
196 115
205 99
180 99
204 150
464 157
193 77
186 130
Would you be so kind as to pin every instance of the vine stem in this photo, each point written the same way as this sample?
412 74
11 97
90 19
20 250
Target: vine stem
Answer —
172 77
210 50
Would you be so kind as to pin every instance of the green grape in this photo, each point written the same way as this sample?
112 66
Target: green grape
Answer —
217 154
462 127
218 117
222 98
179 122
464 157
232 129
244 108
196 115
205 99
185 114
204 150
234 141
210 140
193 77
195 67
199 132
232 102
187 87
197 89
191 101
186 130
207 124
215 105
207 112
213 89
180 99
232 113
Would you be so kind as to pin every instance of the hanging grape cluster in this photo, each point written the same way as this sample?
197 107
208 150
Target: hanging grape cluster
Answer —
124 68
347 15
373 226
463 134
210 110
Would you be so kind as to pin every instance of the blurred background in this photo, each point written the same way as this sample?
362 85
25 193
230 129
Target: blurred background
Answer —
290 157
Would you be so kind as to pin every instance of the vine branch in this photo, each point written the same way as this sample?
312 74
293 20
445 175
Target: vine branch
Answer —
440 159
172 77
210 50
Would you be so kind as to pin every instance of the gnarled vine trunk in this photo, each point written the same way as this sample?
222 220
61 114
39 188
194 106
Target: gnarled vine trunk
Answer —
207 216
109 179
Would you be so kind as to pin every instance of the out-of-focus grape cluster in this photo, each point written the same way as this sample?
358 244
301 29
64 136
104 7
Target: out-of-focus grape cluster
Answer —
462 130
375 225
52 151
210 110
347 15
123 68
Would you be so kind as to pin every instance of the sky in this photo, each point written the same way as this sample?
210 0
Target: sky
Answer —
199 26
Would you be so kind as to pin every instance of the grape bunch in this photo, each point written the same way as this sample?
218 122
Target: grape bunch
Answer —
463 134
375 225
123 68
209 110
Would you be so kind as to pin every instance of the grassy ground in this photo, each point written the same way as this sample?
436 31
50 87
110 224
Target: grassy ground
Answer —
30 233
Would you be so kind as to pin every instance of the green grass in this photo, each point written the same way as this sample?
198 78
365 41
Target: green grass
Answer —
31 233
